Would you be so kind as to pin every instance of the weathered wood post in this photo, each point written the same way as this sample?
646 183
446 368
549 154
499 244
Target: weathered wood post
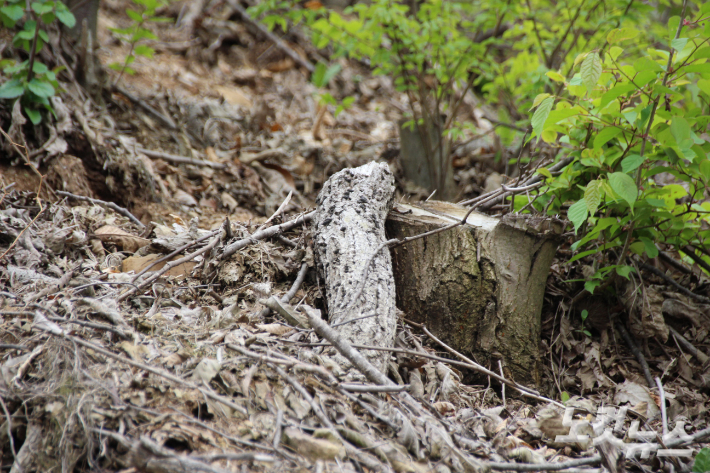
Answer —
349 228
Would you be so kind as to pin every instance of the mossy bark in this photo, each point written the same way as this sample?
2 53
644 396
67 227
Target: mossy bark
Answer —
480 286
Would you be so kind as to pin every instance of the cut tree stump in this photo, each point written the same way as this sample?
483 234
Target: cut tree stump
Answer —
349 227
479 287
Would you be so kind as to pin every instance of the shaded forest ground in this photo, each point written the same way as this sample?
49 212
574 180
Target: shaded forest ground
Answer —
191 368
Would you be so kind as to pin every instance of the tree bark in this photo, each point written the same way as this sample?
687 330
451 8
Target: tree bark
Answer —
350 219
480 286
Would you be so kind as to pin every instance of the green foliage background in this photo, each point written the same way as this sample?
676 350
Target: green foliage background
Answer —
619 89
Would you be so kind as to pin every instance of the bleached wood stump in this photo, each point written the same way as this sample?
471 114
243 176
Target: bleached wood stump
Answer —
479 287
349 227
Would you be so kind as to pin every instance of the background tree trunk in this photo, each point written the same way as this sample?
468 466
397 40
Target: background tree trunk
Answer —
426 161
480 286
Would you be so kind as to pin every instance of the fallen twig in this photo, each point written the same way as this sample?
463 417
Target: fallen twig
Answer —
702 357
103 203
637 353
179 159
42 323
229 250
669 280
168 267
273 38
165 120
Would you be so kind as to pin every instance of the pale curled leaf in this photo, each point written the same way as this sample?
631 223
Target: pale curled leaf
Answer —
593 196
591 70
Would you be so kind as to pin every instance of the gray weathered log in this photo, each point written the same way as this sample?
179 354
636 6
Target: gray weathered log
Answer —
350 219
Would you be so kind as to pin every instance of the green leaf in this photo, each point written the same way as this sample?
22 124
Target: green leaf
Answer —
556 76
705 170
605 135
681 132
618 35
540 115
134 15
577 214
615 92
66 18
14 12
624 186
40 88
631 162
544 172
323 74
41 8
34 115
143 50
593 196
679 44
646 64
590 286
591 70
624 271
650 246
11 89
564 396
702 461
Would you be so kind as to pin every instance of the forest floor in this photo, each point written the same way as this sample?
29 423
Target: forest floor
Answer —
106 369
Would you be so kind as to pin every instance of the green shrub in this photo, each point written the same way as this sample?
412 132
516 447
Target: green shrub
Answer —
31 81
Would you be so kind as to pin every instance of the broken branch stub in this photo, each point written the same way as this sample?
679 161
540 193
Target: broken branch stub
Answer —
350 227
479 286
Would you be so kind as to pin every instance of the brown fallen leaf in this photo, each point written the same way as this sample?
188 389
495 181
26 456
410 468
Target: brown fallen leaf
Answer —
139 263
120 238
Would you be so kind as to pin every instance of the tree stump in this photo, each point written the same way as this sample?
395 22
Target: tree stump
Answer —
479 287
349 228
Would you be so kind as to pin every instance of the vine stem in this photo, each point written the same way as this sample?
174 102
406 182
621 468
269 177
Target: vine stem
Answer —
33 48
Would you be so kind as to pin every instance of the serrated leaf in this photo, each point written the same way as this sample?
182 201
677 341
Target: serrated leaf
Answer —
624 186
591 70
541 114
577 214
593 196
631 162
